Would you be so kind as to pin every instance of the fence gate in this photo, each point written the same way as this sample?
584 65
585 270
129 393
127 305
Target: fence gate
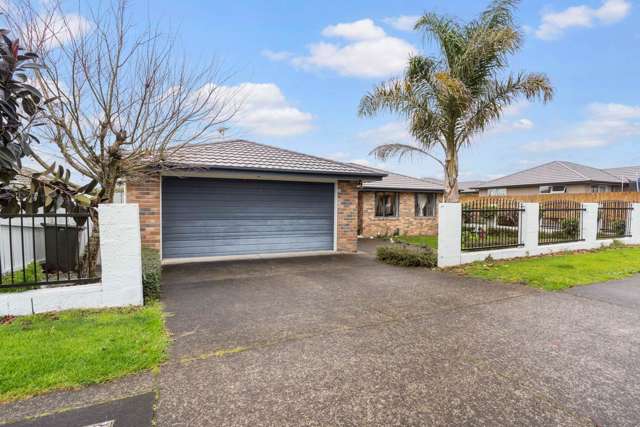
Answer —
491 224
560 222
614 219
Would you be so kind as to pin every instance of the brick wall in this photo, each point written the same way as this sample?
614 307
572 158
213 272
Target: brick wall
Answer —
146 193
406 222
347 216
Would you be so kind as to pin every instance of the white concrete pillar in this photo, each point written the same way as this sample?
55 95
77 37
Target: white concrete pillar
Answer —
590 223
635 225
449 234
120 254
530 225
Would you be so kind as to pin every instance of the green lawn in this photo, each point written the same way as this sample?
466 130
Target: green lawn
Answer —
430 241
74 348
555 272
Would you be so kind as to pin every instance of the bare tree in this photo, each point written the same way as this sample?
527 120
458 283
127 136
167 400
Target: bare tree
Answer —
123 96
120 97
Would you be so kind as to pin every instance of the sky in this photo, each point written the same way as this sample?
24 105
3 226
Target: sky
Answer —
303 66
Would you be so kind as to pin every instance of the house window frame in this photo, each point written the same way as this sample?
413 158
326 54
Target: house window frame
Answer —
496 192
599 188
396 204
429 196
552 189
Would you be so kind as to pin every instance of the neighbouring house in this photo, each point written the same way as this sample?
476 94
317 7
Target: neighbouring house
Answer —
241 198
560 177
629 175
470 187
398 204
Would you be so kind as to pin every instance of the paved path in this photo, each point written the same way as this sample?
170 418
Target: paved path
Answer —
344 340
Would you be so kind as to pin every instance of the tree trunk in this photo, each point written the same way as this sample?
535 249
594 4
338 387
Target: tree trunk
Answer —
89 263
451 194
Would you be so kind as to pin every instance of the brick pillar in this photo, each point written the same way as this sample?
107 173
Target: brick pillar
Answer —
347 216
146 194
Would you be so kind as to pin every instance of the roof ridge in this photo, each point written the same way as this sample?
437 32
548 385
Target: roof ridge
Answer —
564 163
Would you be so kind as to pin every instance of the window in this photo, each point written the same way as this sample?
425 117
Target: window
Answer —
552 189
426 204
386 204
497 192
598 188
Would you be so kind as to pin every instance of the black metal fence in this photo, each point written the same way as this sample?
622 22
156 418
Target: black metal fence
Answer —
614 219
491 224
45 250
560 222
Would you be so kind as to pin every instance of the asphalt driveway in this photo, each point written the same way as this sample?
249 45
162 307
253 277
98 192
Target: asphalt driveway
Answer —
345 340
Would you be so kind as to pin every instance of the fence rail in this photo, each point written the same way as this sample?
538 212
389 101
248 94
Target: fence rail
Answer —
491 224
560 222
45 250
614 219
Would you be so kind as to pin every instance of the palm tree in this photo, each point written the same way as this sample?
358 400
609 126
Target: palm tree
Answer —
451 98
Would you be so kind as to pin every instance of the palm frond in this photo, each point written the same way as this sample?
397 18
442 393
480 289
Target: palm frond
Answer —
445 31
388 151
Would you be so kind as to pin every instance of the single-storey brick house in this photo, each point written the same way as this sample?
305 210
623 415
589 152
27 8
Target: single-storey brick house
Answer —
399 204
234 198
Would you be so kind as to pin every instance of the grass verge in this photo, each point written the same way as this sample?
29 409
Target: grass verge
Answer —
561 271
74 348
425 241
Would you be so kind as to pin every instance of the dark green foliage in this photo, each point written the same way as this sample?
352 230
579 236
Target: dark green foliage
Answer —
619 227
570 227
151 273
406 256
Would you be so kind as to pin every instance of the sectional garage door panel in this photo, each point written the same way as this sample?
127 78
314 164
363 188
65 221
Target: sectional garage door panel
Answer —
204 217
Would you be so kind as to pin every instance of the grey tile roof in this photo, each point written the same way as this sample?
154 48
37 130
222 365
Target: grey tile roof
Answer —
249 155
469 186
552 173
627 173
395 181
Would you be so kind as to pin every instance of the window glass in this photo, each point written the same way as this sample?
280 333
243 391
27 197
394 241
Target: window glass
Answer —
559 189
497 192
545 189
386 204
426 204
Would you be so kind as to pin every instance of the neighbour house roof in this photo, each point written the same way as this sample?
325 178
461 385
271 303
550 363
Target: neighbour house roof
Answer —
396 181
249 155
469 186
626 173
551 173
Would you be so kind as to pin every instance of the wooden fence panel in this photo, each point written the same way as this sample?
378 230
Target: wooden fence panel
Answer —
628 196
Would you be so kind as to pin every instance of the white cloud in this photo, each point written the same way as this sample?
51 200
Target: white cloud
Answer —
605 125
281 55
555 23
402 23
363 29
389 133
262 109
367 51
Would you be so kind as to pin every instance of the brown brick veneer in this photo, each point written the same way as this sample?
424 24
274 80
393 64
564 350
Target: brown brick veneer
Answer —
347 216
406 222
146 193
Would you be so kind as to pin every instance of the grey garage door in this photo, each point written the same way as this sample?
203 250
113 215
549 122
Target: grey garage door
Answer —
204 217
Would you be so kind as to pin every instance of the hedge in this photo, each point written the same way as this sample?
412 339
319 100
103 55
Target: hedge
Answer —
151 272
406 256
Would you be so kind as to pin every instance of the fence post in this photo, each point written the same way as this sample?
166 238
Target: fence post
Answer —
635 224
120 254
449 234
590 223
530 225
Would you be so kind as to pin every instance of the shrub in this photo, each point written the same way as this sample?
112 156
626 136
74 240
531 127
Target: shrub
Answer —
151 272
407 257
619 227
570 227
